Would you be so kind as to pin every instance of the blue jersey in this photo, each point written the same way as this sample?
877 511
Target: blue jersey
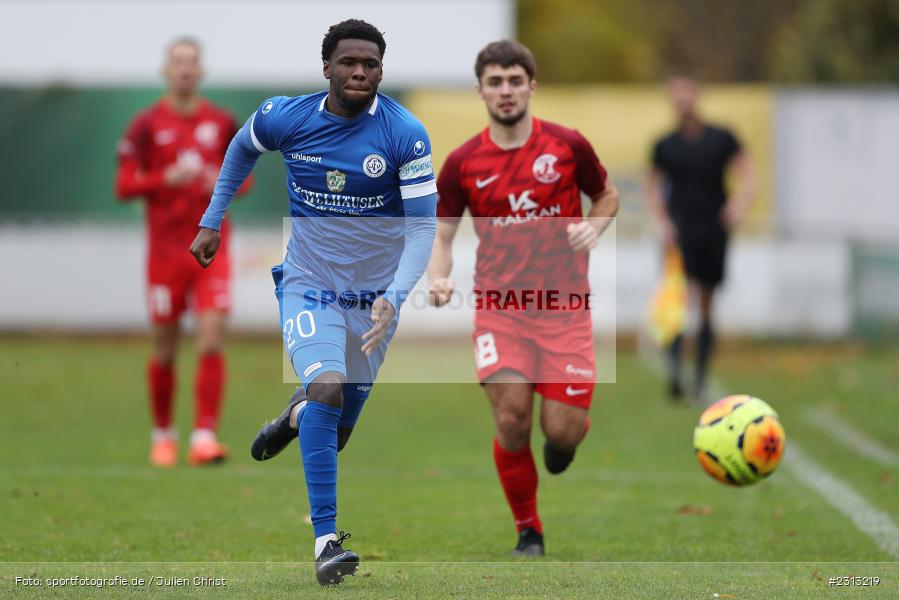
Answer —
344 169
363 204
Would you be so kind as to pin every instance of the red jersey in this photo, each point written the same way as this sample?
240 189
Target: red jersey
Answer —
157 138
522 200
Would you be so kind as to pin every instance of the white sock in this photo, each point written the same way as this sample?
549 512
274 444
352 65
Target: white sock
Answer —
162 433
201 435
320 542
295 414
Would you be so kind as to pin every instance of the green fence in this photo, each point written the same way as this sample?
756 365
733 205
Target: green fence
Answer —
875 290
58 147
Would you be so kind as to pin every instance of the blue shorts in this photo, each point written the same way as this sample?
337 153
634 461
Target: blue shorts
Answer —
322 330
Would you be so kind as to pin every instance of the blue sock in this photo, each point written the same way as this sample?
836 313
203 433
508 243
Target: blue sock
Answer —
318 446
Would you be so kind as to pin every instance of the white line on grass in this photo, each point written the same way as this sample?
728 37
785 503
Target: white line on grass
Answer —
839 494
874 523
851 438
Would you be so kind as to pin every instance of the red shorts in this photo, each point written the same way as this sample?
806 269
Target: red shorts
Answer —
176 282
557 355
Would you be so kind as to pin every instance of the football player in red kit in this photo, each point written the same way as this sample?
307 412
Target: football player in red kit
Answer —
521 179
170 156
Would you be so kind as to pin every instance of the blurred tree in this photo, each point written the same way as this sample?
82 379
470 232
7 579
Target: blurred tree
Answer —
839 41
579 40
639 40
720 40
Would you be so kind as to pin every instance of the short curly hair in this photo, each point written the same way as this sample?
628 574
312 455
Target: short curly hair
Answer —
351 29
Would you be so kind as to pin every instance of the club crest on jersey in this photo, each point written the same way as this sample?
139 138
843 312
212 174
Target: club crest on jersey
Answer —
544 168
374 165
207 133
336 180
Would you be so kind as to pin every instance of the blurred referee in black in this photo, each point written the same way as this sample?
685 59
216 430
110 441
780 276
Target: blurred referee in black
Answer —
689 203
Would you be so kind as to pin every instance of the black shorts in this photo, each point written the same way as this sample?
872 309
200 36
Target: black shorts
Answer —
704 253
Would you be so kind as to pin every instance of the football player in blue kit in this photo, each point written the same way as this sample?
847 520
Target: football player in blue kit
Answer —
362 204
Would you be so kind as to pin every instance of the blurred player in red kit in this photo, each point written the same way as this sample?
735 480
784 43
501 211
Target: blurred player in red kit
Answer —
521 179
170 156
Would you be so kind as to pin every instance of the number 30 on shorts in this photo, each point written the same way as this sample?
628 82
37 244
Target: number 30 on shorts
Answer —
486 353
305 326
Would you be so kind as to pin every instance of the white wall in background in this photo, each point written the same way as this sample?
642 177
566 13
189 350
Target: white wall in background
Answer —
836 161
85 278
264 43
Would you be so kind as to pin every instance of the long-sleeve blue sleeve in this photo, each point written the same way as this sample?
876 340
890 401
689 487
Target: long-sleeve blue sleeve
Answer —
239 161
421 226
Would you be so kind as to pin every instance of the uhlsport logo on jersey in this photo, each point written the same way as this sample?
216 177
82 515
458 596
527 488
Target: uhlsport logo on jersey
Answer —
267 107
305 157
418 148
374 165
544 168
336 180
419 167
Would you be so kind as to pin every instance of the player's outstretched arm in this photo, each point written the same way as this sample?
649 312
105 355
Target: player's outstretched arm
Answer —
440 288
239 161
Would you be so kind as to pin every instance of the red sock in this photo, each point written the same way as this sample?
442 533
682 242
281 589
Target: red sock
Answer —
161 381
518 476
209 385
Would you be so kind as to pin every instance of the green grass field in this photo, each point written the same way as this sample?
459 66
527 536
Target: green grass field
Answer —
634 517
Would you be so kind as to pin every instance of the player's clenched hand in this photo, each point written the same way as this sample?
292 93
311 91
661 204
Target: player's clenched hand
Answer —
180 173
382 314
582 236
440 291
205 246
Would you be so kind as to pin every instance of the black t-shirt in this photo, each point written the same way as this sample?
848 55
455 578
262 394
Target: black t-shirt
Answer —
694 171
